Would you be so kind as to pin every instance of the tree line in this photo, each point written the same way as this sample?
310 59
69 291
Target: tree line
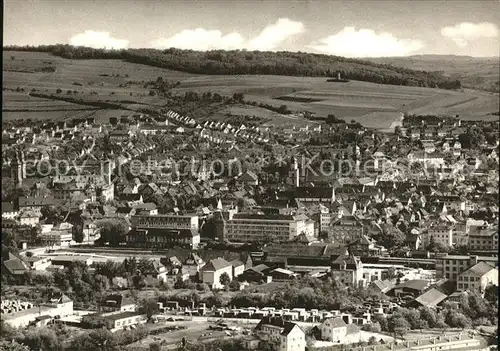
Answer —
257 62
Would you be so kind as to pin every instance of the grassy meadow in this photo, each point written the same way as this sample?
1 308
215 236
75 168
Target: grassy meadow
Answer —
373 105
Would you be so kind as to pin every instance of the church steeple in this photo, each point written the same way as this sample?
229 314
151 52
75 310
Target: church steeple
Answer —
17 169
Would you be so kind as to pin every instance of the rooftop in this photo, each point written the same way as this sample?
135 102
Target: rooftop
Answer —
35 311
288 327
416 284
270 217
121 315
336 322
215 265
479 269
431 298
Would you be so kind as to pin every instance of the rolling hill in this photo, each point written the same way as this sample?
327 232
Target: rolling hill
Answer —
241 62
122 83
472 72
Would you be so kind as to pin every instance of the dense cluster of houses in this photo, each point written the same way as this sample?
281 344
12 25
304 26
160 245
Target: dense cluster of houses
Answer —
434 195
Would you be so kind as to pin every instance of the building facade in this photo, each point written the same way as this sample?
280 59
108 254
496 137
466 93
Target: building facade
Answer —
477 277
292 338
213 270
266 228
114 320
483 238
345 229
334 329
441 233
347 270
450 266
164 231
61 235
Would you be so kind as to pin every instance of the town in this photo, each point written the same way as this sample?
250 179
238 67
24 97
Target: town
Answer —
250 175
157 231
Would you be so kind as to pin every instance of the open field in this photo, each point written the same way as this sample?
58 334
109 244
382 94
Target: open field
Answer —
352 100
371 104
196 332
93 80
477 72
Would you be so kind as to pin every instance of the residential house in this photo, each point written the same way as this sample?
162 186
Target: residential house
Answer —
61 304
238 268
60 235
483 238
213 270
35 203
452 202
292 338
192 265
346 229
286 334
347 269
156 271
413 240
117 303
248 178
334 329
364 246
441 233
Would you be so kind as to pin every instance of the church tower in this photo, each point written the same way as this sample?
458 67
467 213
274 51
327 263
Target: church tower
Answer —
23 166
17 171
294 174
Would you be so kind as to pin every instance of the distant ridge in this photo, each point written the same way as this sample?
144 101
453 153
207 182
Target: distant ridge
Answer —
481 73
236 62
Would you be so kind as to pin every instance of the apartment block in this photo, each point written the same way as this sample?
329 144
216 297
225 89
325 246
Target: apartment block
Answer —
483 238
164 231
246 227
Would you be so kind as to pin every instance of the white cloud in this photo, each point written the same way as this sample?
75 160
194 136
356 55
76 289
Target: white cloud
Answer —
202 39
365 43
463 33
274 34
98 40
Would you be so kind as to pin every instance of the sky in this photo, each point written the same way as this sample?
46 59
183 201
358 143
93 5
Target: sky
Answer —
373 28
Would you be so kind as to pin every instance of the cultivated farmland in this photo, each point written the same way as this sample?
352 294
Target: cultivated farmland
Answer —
116 81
